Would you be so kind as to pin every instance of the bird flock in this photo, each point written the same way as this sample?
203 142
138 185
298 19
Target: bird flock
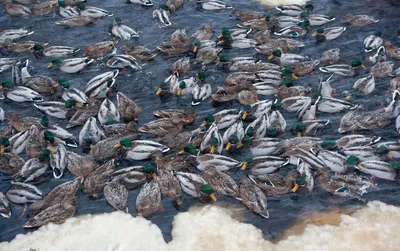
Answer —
177 163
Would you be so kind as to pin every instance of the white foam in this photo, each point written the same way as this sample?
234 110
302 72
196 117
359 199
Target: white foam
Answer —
281 2
212 228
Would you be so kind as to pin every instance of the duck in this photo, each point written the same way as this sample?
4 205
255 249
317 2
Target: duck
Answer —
141 53
11 163
222 119
164 126
16 144
365 84
379 56
116 195
56 195
121 61
234 33
334 160
287 59
57 109
349 121
67 11
258 128
291 31
35 167
194 185
56 214
20 47
332 105
179 141
328 33
54 51
5 209
122 31
181 66
233 135
213 5
306 174
342 69
140 149
364 153
146 3
128 109
174 5
276 123
76 21
80 166
148 201
23 193
253 197
200 93
390 148
58 160
261 147
7 64
100 85
44 8
373 42
162 14
379 169
90 133
99 49
167 87
294 9
72 93
259 24
331 56
212 141
81 115
97 179
71 65
108 111
296 153
186 86
256 110
222 183
21 124
242 43
283 21
391 50
93 12
264 164
317 19
359 20
187 114
169 184
382 69
17 10
14 34
354 140
20 93
303 68
310 127
274 184
247 15
220 162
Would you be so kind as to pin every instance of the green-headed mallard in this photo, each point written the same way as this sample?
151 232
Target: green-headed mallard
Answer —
223 119
5 209
372 42
233 135
75 21
70 65
20 93
93 12
140 149
108 111
194 185
379 169
365 84
212 141
294 9
307 175
99 49
7 63
342 69
139 52
122 61
13 34
53 51
67 11
58 160
162 14
291 31
222 183
122 31
359 20
22 193
149 199
264 164
20 47
57 109
299 153
262 146
100 85
90 133
253 197
146 3
258 128
213 5
335 161
328 33
317 19
35 167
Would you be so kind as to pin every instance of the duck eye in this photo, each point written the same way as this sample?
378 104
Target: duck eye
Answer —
116 62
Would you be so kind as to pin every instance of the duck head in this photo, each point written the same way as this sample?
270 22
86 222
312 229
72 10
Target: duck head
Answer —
276 53
163 87
125 143
72 103
357 63
233 140
208 190
55 62
189 149
44 155
61 4
7 84
209 119
4 142
214 143
288 73
150 168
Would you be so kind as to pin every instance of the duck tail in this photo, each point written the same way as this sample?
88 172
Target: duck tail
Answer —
323 69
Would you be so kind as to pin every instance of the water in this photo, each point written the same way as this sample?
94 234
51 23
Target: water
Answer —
140 86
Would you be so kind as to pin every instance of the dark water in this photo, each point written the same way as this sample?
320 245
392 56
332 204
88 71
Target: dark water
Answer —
140 86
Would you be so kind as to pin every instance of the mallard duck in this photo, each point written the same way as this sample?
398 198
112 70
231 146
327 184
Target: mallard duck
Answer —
134 174
222 183
242 43
335 161
6 63
286 90
212 141
57 214
283 21
296 142
173 162
392 51
363 153
274 184
13 34
350 121
54 51
223 119
99 49
139 52
256 24
140 149
76 21
149 199
233 135
213 5
220 162
317 19
122 31
98 178
185 87
353 140
116 195
72 93
146 3
58 160
310 127
247 15
67 11
291 31
249 64
164 126
170 83
379 56
296 153
169 184
258 128
56 195
379 169
120 129
287 59
359 20
390 148
331 56
162 15
81 115
331 105
365 84
328 33
78 165
22 193
11 163
71 65
122 61
20 47
179 141
373 41
20 93
40 84
253 198
173 5
21 124
261 147
200 93
44 8
17 10
99 86
93 12
304 68
204 34
382 69
195 185
188 114
264 164
294 9
256 110
299 104
128 109
306 174
276 123
342 69
57 109
90 134
181 66
108 111
5 209
35 167
16 144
